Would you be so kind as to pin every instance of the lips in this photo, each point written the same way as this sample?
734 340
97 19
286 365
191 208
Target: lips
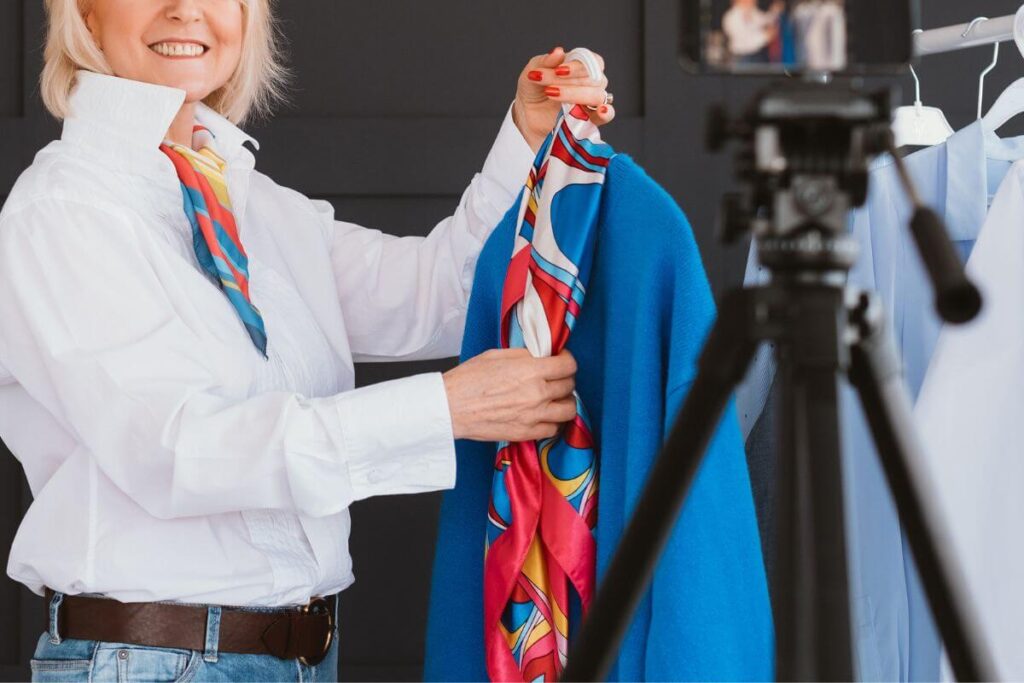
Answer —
179 48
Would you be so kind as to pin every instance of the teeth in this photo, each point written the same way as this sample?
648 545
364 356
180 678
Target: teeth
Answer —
178 49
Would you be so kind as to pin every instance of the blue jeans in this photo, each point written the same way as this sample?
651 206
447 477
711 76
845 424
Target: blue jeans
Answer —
65 659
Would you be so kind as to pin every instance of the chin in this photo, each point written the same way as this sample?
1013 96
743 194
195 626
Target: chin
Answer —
193 95
194 92
196 85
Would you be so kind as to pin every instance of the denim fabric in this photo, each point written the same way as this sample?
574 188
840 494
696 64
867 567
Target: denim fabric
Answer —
95 662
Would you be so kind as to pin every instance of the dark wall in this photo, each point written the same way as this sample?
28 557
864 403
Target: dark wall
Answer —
393 109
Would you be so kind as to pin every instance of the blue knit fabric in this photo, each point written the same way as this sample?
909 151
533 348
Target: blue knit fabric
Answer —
648 309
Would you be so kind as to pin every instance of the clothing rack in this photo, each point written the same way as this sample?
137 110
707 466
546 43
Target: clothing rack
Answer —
958 37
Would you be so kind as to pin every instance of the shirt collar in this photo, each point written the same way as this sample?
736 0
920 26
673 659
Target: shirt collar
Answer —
967 192
966 182
229 136
125 121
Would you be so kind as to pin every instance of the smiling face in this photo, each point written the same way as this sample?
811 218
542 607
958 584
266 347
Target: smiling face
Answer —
193 45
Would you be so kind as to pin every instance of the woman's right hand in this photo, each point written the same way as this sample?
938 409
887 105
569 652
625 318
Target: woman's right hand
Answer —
508 395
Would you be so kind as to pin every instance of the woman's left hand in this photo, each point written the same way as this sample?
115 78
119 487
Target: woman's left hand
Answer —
546 83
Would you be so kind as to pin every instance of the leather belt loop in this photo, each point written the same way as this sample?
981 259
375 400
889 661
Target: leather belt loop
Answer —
54 627
210 648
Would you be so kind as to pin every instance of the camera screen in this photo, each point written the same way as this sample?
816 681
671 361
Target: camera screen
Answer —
752 36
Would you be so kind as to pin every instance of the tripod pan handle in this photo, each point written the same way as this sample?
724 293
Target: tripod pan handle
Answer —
956 297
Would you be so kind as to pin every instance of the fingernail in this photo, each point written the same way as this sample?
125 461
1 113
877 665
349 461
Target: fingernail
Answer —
552 91
556 47
604 109
535 75
563 70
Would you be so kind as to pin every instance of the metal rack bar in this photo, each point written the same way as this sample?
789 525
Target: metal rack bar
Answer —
950 38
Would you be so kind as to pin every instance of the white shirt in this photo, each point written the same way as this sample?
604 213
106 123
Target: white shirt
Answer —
748 29
167 458
821 34
971 419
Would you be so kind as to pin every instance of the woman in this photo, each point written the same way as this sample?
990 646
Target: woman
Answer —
750 30
177 347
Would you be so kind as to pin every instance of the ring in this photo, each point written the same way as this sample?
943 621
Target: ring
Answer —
608 99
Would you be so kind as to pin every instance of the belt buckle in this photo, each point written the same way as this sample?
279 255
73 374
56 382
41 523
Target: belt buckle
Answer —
319 605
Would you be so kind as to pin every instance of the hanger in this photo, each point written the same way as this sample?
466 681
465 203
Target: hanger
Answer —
1011 101
917 124
988 69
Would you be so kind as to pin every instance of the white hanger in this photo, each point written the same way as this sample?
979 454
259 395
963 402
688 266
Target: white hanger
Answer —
919 125
988 69
1011 101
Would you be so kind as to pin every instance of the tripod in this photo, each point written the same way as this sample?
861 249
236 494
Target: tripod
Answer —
806 154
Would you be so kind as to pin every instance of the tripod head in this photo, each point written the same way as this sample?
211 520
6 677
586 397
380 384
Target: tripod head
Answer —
804 154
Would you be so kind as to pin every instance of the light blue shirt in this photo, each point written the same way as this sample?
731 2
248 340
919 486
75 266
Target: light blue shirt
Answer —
895 638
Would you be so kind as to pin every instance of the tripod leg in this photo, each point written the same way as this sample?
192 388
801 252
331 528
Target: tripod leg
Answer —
722 363
875 372
812 612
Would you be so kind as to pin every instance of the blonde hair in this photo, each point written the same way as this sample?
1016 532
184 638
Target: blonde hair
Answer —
257 84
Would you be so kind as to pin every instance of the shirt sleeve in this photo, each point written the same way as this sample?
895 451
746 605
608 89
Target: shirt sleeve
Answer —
160 399
405 298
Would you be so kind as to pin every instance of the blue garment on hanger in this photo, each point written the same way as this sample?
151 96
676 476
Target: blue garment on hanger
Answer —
895 636
706 615
788 35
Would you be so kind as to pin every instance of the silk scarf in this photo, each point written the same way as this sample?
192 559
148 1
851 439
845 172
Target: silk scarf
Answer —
215 237
543 504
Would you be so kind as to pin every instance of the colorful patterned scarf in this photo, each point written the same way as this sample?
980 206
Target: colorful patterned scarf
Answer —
214 234
543 506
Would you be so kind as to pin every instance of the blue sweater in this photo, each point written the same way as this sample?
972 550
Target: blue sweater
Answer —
648 309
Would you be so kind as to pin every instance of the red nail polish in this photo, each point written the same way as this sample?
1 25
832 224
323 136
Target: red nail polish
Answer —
535 75
563 70
604 108
552 91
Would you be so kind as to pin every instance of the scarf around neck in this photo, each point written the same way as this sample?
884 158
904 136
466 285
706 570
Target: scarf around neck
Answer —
215 239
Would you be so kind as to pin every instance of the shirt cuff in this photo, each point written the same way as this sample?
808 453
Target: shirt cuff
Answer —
509 161
398 437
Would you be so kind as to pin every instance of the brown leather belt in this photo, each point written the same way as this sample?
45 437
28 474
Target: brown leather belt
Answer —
304 633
